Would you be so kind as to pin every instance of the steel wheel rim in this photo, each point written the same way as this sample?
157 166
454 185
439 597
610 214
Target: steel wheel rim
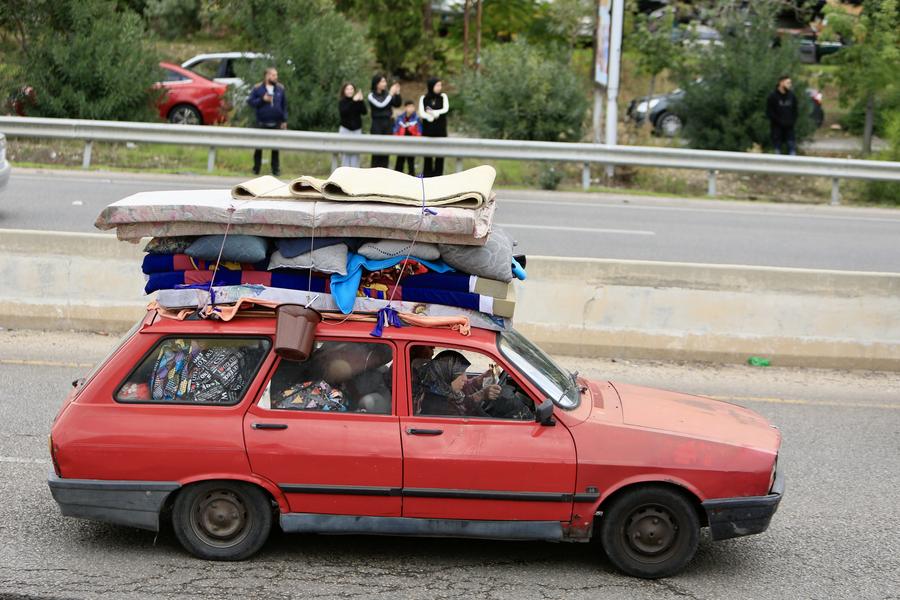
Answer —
220 518
185 116
651 533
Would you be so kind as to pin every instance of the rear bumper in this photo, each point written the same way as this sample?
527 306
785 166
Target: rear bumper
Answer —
131 503
735 517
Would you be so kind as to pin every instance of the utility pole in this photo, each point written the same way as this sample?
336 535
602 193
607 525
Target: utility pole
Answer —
466 33
478 33
612 87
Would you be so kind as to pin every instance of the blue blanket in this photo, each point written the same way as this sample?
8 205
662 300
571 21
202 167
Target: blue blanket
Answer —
344 287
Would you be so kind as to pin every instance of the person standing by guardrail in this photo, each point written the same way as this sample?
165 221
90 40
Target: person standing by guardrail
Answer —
407 124
781 108
351 108
433 107
382 100
269 100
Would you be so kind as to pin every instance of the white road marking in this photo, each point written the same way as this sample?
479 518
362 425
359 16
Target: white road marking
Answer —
712 210
580 229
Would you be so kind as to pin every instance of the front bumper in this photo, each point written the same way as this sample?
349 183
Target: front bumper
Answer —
131 503
735 517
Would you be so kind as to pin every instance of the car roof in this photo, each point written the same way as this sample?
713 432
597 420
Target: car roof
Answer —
247 325
218 55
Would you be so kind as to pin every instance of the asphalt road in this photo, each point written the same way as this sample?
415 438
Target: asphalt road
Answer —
835 536
555 224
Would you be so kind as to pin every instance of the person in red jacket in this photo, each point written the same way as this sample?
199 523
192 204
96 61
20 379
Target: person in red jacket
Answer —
407 124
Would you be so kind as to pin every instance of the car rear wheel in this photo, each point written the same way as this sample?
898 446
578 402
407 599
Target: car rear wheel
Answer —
650 532
185 114
668 124
222 520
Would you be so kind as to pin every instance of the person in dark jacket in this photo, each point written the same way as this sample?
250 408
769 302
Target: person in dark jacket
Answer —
781 109
381 100
351 108
407 124
444 388
433 107
270 102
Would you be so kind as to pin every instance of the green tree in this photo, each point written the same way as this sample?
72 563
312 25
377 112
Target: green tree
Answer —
524 93
869 66
88 60
173 19
314 56
655 48
724 103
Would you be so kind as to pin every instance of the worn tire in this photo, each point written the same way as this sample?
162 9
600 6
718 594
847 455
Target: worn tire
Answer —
222 520
668 125
650 532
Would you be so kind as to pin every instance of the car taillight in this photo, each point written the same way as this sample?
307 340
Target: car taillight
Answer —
53 456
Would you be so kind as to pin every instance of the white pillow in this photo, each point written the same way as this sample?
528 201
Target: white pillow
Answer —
390 248
332 259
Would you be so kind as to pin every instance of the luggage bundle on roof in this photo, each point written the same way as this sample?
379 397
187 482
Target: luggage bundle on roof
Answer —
360 241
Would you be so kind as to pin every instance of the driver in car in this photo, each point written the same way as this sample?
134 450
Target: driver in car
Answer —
445 389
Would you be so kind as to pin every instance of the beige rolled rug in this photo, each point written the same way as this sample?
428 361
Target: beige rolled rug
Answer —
467 189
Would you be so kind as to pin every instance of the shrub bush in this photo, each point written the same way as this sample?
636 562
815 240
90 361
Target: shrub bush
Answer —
724 106
524 93
91 61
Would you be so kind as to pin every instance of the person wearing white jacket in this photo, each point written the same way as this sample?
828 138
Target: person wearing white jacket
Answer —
433 108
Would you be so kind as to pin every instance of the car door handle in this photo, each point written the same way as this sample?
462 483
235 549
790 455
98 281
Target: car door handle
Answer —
268 426
414 431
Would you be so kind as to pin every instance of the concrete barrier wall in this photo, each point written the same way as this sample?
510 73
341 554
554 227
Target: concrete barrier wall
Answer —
587 307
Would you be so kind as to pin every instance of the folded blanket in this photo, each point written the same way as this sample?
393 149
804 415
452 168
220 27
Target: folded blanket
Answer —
164 263
469 189
459 282
290 281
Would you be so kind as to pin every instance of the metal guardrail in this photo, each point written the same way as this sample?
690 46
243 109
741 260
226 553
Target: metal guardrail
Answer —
585 154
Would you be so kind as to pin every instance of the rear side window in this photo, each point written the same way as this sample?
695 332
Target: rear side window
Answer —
338 377
174 75
195 370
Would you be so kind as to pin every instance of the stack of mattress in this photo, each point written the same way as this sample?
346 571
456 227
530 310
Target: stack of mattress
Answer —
355 242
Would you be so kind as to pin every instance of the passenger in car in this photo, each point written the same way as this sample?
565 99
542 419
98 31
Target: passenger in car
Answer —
445 389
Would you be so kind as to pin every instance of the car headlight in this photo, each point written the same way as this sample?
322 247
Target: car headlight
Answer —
653 103
641 107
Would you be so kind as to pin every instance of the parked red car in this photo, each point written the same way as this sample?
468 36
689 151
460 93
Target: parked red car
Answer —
191 99
205 423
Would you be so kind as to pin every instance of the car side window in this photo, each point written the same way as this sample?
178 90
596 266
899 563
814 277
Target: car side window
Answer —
338 377
195 370
207 68
462 383
174 75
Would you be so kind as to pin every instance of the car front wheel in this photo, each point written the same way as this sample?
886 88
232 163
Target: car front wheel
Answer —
185 114
650 532
222 520
668 124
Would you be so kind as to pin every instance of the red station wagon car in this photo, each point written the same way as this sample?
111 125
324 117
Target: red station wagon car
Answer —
420 432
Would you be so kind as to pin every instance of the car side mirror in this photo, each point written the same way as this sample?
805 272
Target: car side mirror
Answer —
543 414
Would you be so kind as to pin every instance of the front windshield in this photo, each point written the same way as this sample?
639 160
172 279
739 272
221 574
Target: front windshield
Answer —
557 383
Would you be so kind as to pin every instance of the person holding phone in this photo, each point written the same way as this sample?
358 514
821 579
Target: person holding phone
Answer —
351 108
382 100
433 108
269 100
